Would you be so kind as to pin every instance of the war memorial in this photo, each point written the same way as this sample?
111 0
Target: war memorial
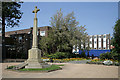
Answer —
60 64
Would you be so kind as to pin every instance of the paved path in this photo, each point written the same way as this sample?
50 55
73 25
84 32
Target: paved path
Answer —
79 62
69 71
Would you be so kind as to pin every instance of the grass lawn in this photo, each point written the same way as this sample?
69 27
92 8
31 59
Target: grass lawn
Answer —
51 68
61 65
10 67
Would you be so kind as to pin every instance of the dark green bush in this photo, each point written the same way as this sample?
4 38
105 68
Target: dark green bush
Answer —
109 55
117 64
115 56
92 56
10 67
59 55
83 54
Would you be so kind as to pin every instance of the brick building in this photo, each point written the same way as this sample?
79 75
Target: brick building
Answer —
43 31
18 42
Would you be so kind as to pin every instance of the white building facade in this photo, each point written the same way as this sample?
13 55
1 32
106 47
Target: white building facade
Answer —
98 42
101 42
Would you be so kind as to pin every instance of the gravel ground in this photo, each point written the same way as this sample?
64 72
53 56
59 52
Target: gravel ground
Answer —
69 70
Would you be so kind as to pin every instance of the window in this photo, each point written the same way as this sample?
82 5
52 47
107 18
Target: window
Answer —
104 36
104 41
95 41
28 32
42 33
90 42
20 38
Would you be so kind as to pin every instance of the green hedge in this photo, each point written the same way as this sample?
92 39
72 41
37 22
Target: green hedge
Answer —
109 55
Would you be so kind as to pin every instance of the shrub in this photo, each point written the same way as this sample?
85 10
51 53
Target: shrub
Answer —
102 56
109 55
45 54
92 56
59 55
106 56
117 64
10 67
83 54
115 56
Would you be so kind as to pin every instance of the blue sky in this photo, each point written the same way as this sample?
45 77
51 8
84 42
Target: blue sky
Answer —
99 17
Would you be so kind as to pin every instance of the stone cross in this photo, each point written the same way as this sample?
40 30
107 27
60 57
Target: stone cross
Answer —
34 45
35 11
34 54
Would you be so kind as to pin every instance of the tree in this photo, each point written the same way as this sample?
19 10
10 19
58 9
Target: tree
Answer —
116 35
87 49
116 40
64 34
88 55
10 18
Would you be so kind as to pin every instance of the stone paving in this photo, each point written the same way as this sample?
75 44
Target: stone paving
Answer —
80 62
69 70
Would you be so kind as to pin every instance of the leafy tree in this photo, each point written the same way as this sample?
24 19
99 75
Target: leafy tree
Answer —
88 55
116 41
10 17
116 35
64 34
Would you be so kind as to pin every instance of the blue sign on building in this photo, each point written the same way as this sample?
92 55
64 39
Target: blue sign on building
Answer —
94 52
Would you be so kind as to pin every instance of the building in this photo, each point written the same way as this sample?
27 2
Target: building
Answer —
17 43
101 42
97 44
43 31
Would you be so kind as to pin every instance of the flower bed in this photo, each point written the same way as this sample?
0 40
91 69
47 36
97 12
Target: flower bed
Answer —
63 60
104 62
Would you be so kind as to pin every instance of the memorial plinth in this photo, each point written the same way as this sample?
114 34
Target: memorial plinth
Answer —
34 58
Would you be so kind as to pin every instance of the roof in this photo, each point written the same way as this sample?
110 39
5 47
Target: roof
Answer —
7 34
